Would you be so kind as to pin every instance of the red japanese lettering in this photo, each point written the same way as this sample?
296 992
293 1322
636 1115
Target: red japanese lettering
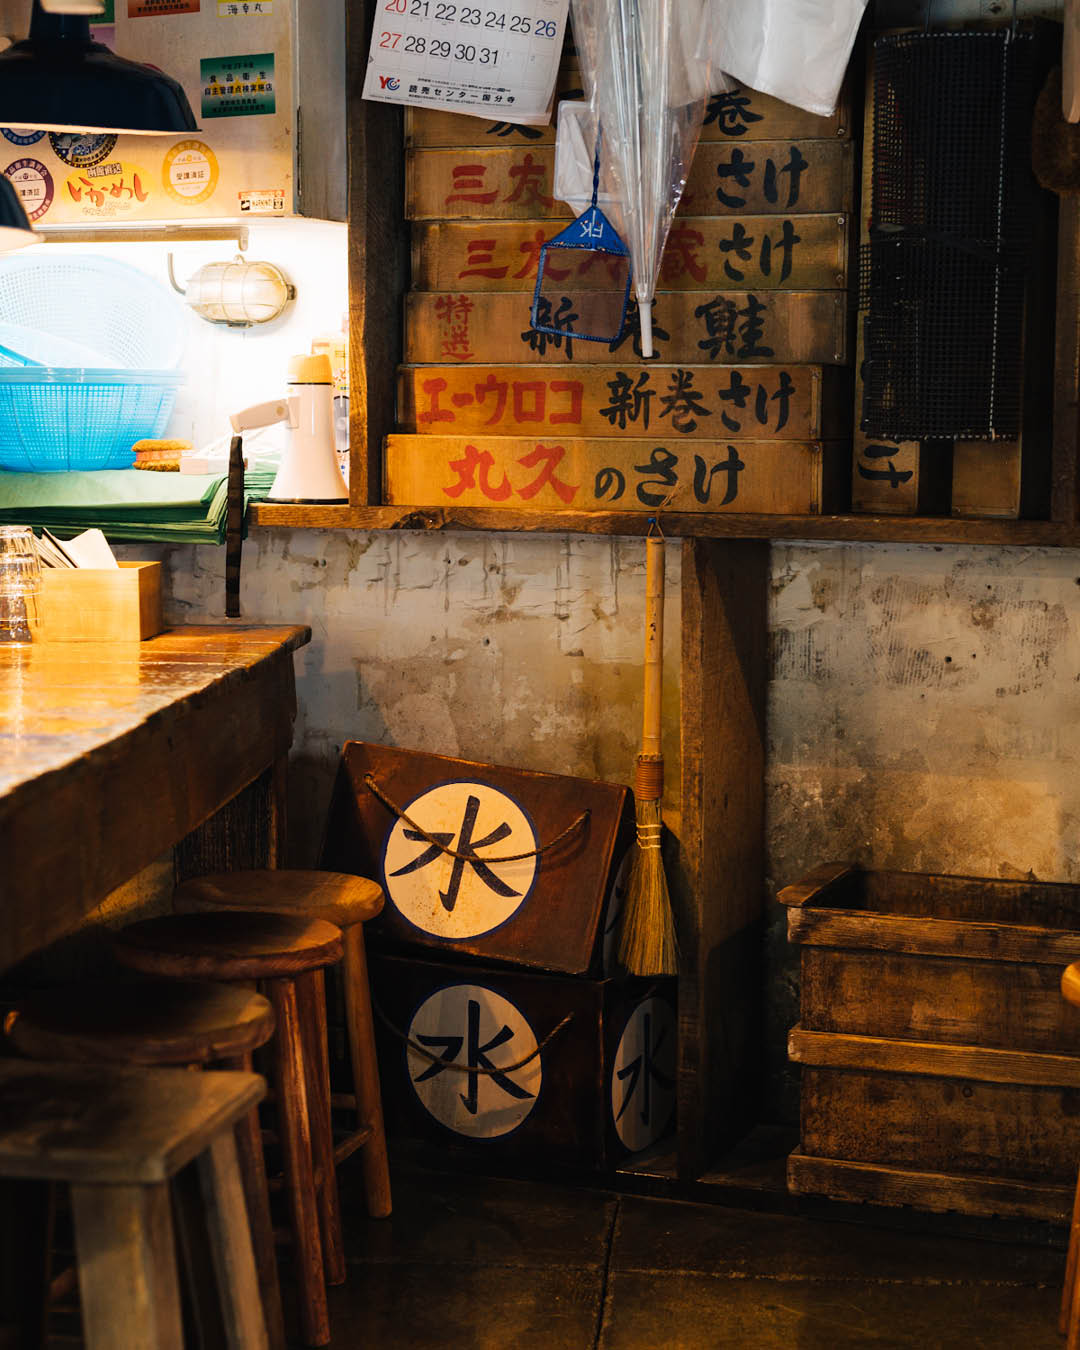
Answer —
531 248
481 257
466 470
550 456
500 389
523 389
530 179
433 413
576 391
468 179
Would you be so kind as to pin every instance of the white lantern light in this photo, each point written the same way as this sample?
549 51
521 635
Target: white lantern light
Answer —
237 293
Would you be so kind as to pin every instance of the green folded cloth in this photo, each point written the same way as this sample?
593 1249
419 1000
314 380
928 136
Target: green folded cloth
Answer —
127 504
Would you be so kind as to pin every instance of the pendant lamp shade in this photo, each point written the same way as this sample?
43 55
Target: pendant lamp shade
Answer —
15 229
58 79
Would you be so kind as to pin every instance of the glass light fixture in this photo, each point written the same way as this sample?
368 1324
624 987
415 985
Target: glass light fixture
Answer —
59 79
15 230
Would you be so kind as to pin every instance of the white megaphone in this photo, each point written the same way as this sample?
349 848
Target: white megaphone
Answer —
309 469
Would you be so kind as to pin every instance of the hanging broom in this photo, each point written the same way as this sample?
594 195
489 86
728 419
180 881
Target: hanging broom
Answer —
647 931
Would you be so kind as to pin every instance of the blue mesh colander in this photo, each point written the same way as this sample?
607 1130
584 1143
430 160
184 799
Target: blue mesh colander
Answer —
98 303
53 418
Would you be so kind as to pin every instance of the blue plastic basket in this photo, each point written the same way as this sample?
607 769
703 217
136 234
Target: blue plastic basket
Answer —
53 419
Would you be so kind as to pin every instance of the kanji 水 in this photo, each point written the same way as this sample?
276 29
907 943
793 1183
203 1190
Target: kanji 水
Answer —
476 1059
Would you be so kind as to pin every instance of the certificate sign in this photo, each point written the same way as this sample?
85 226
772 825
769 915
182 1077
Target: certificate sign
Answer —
494 60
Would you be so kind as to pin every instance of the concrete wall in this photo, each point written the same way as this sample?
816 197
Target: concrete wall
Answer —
924 714
521 650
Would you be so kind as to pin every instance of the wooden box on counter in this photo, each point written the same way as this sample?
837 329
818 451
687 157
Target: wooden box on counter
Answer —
519 1071
101 604
940 1063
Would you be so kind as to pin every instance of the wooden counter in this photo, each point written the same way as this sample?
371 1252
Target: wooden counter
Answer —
110 753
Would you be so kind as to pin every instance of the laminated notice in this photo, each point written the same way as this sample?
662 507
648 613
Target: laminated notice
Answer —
493 60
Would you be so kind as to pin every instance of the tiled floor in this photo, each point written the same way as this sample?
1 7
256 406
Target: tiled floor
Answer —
488 1265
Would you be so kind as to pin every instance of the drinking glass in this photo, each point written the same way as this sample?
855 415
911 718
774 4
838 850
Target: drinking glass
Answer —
20 584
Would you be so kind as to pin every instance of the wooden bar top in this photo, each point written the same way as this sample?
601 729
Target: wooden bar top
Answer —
110 753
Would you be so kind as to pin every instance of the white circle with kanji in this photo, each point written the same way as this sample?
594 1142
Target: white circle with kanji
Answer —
613 911
466 896
643 1075
473 1033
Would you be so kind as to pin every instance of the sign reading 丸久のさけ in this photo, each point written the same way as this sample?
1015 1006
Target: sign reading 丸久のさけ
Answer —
485 60
238 86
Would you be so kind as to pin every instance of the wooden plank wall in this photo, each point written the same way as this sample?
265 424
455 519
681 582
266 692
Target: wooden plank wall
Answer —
747 402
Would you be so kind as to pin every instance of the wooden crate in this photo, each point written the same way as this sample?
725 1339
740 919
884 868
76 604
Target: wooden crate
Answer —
941 1066
601 1088
605 473
541 911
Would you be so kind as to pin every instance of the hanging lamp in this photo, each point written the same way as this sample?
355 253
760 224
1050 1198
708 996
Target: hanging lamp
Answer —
59 79
15 230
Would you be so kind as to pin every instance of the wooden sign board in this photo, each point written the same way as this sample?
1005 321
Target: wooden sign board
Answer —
541 910
610 474
756 253
510 182
741 115
791 403
986 479
688 326
602 1086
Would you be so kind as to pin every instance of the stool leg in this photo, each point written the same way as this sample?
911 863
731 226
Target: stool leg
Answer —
127 1267
299 1173
311 990
1068 1289
365 1069
230 1244
257 1195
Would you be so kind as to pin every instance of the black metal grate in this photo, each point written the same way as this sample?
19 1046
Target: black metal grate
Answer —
943 277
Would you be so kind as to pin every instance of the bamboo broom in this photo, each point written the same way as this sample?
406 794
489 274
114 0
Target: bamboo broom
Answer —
647 931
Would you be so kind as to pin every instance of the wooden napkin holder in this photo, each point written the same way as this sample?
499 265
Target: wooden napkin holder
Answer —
87 604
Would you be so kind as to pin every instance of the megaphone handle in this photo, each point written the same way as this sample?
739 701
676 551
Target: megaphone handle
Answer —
234 527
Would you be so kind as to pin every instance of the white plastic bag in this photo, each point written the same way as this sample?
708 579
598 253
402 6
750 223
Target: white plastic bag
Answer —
796 50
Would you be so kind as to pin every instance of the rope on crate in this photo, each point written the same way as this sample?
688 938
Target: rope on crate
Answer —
373 787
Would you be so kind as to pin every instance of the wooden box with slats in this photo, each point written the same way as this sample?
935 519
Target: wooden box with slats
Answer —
940 1063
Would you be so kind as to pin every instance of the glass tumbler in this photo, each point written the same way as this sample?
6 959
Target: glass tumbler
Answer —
20 584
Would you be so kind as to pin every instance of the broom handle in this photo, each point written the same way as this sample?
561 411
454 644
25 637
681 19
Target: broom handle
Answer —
654 646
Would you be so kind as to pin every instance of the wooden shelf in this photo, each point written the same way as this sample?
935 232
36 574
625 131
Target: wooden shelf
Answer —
851 528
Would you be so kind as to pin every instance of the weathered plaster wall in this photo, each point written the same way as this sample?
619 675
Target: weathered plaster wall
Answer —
924 714
522 650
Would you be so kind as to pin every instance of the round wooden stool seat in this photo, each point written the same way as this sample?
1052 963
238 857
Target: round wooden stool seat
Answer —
337 897
1070 983
150 1022
228 945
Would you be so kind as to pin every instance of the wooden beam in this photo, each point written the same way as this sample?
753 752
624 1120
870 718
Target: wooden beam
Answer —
717 887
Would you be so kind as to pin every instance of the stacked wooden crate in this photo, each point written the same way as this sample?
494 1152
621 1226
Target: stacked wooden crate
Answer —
508 1038
747 404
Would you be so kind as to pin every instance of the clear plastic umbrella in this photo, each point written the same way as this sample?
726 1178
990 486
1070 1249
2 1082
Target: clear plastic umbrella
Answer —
648 88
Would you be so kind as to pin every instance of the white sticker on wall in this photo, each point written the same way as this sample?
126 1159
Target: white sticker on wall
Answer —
479 1031
643 1075
488 60
471 894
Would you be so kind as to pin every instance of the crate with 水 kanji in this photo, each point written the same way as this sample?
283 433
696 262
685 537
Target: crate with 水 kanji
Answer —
494 863
520 1071
940 1063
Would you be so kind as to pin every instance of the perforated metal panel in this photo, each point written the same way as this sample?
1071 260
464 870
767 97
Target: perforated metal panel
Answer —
943 278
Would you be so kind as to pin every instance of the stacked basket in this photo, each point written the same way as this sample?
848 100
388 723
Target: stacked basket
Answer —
89 351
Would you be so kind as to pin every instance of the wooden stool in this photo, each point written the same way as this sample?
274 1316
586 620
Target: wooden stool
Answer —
119 1136
1069 1319
348 902
288 955
167 1022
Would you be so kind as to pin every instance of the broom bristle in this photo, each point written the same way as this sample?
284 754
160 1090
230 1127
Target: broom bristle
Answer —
647 943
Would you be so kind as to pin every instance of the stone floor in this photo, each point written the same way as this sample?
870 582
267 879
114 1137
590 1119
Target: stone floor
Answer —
486 1265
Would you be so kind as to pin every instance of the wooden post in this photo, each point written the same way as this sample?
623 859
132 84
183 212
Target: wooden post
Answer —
717 889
